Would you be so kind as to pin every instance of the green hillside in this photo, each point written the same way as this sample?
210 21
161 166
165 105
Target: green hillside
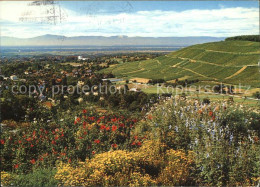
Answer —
231 62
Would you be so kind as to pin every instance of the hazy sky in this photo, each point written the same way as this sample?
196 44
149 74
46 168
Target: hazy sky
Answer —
131 18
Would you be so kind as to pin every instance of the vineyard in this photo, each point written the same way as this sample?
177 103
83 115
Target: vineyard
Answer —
211 61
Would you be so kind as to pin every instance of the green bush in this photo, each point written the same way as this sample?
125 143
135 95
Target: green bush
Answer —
39 177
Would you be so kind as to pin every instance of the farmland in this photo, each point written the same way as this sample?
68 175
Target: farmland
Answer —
230 62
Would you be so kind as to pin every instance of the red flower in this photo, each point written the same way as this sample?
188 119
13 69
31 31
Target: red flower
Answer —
134 120
139 143
56 138
2 141
97 141
107 128
41 159
28 139
213 118
91 118
80 137
69 160
136 137
53 142
32 145
114 120
32 161
16 166
93 152
114 128
98 121
84 111
19 141
78 119
85 133
114 145
102 127
122 125
133 143
210 113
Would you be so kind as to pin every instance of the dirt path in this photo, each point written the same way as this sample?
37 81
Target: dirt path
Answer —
174 66
194 61
158 62
133 71
204 62
238 72
229 52
197 73
140 69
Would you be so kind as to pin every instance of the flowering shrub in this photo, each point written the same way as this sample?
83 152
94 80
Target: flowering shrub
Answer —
41 145
224 138
6 178
179 142
177 170
110 168
124 168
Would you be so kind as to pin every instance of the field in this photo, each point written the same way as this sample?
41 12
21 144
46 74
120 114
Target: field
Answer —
230 62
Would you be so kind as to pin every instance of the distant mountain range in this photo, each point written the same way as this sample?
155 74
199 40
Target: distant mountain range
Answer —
56 40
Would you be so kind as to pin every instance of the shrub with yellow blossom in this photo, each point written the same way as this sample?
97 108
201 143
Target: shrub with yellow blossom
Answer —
177 168
144 167
6 178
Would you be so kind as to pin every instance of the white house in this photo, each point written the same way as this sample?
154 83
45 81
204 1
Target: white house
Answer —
81 58
135 90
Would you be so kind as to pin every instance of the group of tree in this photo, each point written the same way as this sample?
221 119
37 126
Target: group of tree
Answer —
156 81
253 38
182 82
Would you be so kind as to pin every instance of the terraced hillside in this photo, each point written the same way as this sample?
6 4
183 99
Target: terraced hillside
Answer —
231 62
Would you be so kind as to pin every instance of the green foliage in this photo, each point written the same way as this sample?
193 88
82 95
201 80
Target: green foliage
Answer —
256 95
38 177
253 38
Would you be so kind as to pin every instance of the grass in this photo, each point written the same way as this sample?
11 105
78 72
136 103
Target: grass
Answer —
193 94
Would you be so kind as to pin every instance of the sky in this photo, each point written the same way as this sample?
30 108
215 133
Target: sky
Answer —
25 19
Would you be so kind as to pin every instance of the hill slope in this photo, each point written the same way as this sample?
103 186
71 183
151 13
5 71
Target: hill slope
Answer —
231 62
